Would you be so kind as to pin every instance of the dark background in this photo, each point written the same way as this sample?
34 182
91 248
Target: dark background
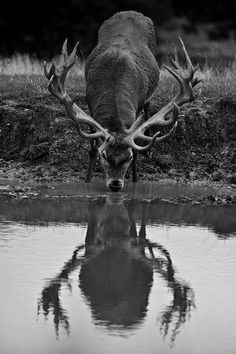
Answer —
39 27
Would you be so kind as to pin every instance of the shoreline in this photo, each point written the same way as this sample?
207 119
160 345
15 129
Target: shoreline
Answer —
22 182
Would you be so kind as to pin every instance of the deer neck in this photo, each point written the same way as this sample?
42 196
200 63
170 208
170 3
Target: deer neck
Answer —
114 112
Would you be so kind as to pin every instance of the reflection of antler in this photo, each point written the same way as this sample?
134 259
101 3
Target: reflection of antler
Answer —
50 300
179 311
180 308
50 296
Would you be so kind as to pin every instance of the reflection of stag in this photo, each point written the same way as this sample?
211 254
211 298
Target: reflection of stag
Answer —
50 296
116 272
114 278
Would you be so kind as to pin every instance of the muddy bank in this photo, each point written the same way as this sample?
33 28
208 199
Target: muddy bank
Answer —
163 192
39 143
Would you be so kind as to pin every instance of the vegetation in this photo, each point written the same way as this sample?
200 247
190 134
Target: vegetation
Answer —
38 141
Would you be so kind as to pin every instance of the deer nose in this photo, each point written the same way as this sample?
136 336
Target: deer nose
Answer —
115 185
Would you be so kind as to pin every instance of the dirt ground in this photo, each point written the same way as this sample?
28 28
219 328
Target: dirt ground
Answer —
38 143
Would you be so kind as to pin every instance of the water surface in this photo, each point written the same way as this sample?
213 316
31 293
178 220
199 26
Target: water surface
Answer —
94 272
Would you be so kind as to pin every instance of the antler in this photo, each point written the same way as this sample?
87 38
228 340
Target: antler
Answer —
154 139
57 76
187 81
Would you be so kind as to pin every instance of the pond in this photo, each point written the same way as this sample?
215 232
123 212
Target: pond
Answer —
87 271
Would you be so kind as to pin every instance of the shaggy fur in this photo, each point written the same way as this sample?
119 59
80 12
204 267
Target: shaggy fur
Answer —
122 72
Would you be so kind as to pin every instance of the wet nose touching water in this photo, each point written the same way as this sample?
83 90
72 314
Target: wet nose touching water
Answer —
102 272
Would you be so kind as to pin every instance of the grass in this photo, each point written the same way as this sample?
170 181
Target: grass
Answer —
27 73
214 86
217 80
20 64
23 64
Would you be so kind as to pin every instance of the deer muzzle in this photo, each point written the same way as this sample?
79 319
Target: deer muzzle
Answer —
115 185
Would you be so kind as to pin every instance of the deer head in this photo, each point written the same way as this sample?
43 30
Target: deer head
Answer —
116 148
115 156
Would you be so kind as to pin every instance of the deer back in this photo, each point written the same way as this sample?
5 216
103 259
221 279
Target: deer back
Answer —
122 72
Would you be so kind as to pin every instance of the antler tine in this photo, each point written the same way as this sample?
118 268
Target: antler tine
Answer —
82 56
173 72
133 145
135 125
188 60
48 73
166 136
196 68
175 117
174 61
175 113
64 50
186 80
185 77
154 139
178 71
73 55
57 76
66 61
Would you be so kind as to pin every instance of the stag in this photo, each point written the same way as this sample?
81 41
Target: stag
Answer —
122 74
